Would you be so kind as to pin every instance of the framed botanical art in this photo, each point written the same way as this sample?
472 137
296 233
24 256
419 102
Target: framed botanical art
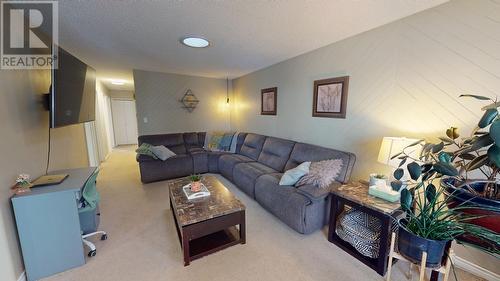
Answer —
330 97
269 98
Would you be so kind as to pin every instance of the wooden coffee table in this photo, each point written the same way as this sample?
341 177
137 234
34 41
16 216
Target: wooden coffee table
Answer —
209 224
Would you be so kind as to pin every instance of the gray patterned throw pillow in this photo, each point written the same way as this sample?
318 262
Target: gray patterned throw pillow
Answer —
322 173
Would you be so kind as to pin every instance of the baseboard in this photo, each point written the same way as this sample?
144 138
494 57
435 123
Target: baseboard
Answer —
22 277
475 269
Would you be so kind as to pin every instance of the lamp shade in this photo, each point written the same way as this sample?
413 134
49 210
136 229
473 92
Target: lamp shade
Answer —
392 146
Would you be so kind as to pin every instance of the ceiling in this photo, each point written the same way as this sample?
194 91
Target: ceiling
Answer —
118 36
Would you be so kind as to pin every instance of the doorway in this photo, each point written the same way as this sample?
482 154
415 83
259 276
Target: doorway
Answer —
124 121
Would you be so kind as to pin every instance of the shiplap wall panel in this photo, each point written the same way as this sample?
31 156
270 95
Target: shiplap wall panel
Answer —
405 81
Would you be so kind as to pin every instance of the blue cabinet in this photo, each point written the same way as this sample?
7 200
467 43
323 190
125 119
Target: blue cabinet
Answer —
49 227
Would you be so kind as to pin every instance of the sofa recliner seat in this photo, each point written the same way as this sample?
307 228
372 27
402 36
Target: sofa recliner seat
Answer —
245 175
229 161
256 168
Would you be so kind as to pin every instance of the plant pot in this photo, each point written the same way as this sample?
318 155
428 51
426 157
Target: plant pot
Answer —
195 186
411 246
374 181
490 218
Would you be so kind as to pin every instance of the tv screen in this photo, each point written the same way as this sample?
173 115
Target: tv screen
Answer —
72 98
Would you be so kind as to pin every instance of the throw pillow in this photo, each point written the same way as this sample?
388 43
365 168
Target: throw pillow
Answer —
322 173
162 152
291 176
145 149
215 139
225 142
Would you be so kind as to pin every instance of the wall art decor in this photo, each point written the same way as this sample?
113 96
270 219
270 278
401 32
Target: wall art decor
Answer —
330 97
269 99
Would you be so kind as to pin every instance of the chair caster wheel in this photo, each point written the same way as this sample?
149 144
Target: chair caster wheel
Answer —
92 253
104 237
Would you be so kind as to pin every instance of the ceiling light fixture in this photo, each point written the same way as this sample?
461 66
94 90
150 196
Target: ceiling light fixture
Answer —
195 42
118 82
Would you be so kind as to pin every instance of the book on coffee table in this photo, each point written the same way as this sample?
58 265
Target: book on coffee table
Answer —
195 195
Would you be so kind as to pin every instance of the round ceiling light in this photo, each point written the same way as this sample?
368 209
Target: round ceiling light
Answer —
195 42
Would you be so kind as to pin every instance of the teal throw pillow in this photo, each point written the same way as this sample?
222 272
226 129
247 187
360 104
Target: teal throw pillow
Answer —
291 176
225 142
145 149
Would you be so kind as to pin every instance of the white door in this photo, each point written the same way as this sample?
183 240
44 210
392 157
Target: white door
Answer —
124 121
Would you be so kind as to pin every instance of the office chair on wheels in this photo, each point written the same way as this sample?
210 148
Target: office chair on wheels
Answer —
89 214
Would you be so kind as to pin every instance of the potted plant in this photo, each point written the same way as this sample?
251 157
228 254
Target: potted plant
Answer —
432 219
378 180
23 184
195 183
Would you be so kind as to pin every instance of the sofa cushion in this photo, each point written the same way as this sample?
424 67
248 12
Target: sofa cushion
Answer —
245 175
239 141
228 161
303 152
190 139
252 146
213 160
196 149
201 138
174 142
275 153
200 161
177 166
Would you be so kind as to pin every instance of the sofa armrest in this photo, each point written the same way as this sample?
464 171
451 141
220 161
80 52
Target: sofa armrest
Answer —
315 193
144 158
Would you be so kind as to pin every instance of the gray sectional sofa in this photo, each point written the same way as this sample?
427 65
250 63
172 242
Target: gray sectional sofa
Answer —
256 169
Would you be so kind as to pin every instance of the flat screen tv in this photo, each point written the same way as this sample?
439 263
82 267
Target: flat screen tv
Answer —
72 93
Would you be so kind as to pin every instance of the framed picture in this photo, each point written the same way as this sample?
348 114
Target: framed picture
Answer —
269 101
330 97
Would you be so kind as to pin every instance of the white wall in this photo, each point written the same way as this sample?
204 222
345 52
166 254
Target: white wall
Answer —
24 125
157 98
405 79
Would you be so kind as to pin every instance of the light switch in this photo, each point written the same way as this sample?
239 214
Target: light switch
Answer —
145 119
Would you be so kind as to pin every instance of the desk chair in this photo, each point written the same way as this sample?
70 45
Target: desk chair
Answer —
89 214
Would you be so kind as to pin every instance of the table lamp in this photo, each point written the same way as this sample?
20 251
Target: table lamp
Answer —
394 145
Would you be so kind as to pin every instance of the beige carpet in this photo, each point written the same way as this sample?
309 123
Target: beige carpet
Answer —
143 244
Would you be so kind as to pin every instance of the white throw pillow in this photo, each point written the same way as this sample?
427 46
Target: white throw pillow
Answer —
162 152
291 176
322 173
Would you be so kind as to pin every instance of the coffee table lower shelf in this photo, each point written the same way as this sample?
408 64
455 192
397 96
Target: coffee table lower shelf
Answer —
206 237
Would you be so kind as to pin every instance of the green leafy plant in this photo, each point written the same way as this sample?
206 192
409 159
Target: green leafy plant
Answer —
479 152
429 213
195 178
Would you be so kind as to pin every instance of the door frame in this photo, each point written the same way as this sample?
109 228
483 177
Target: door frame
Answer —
92 145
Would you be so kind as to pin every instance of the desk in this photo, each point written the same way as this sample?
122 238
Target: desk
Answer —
49 227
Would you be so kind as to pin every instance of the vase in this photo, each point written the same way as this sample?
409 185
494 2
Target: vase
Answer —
374 181
195 186
18 189
487 209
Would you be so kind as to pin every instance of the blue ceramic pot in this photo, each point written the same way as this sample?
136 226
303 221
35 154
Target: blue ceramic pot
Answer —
411 247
